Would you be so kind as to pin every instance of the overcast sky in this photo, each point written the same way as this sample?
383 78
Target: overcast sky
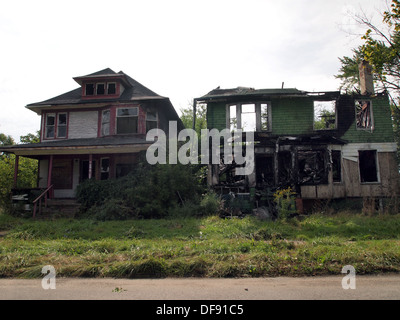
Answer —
181 49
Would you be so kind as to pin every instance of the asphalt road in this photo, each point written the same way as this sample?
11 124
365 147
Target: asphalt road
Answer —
380 287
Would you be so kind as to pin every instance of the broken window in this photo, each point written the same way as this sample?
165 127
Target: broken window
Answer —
248 117
324 115
265 171
336 165
100 89
50 125
312 167
364 114
232 118
105 123
89 89
122 169
368 166
62 125
111 88
265 125
104 168
127 120
151 120
285 167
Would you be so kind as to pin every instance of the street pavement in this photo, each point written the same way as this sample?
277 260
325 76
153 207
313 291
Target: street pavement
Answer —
364 287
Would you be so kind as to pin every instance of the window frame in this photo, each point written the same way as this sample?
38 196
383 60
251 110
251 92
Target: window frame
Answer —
378 181
86 89
372 126
108 88
335 111
257 111
55 126
126 116
104 124
104 88
147 120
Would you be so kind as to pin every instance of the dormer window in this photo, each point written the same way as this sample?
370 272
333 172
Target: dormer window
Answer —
100 89
89 89
111 88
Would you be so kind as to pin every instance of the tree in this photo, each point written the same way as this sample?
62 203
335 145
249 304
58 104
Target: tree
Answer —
382 50
201 118
27 169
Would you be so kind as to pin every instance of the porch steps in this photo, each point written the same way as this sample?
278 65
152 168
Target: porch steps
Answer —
65 207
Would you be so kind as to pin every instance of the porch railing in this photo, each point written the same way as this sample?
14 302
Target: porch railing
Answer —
44 195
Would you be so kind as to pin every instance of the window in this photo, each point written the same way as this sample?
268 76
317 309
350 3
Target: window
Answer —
104 168
151 121
364 115
50 125
312 168
89 89
100 89
62 125
111 88
249 116
368 166
324 115
105 123
337 166
127 120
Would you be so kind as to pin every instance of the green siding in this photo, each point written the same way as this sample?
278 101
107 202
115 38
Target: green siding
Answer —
295 116
383 130
216 116
292 116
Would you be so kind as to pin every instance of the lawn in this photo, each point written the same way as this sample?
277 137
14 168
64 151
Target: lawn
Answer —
202 247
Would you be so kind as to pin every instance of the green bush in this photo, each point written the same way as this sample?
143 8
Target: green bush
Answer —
147 192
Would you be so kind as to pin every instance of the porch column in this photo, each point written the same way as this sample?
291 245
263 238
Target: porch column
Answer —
50 172
16 165
90 166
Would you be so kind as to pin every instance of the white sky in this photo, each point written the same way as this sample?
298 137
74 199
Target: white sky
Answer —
181 49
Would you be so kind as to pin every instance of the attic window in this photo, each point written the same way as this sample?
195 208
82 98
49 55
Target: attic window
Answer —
111 88
100 89
324 115
89 89
364 115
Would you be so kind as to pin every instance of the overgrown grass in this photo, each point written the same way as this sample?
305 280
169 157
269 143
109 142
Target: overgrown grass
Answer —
206 247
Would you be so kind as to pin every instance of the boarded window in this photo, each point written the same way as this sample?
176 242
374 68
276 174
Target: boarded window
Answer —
368 166
62 174
364 115
89 89
324 115
127 120
337 165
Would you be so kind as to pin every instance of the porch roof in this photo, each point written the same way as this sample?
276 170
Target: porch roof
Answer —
111 144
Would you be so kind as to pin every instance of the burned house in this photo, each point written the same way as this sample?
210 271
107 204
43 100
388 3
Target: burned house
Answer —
324 145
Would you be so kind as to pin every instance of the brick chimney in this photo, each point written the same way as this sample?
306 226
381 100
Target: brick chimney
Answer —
366 79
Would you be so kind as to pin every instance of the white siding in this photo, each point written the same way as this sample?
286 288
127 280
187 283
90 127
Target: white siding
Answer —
83 124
